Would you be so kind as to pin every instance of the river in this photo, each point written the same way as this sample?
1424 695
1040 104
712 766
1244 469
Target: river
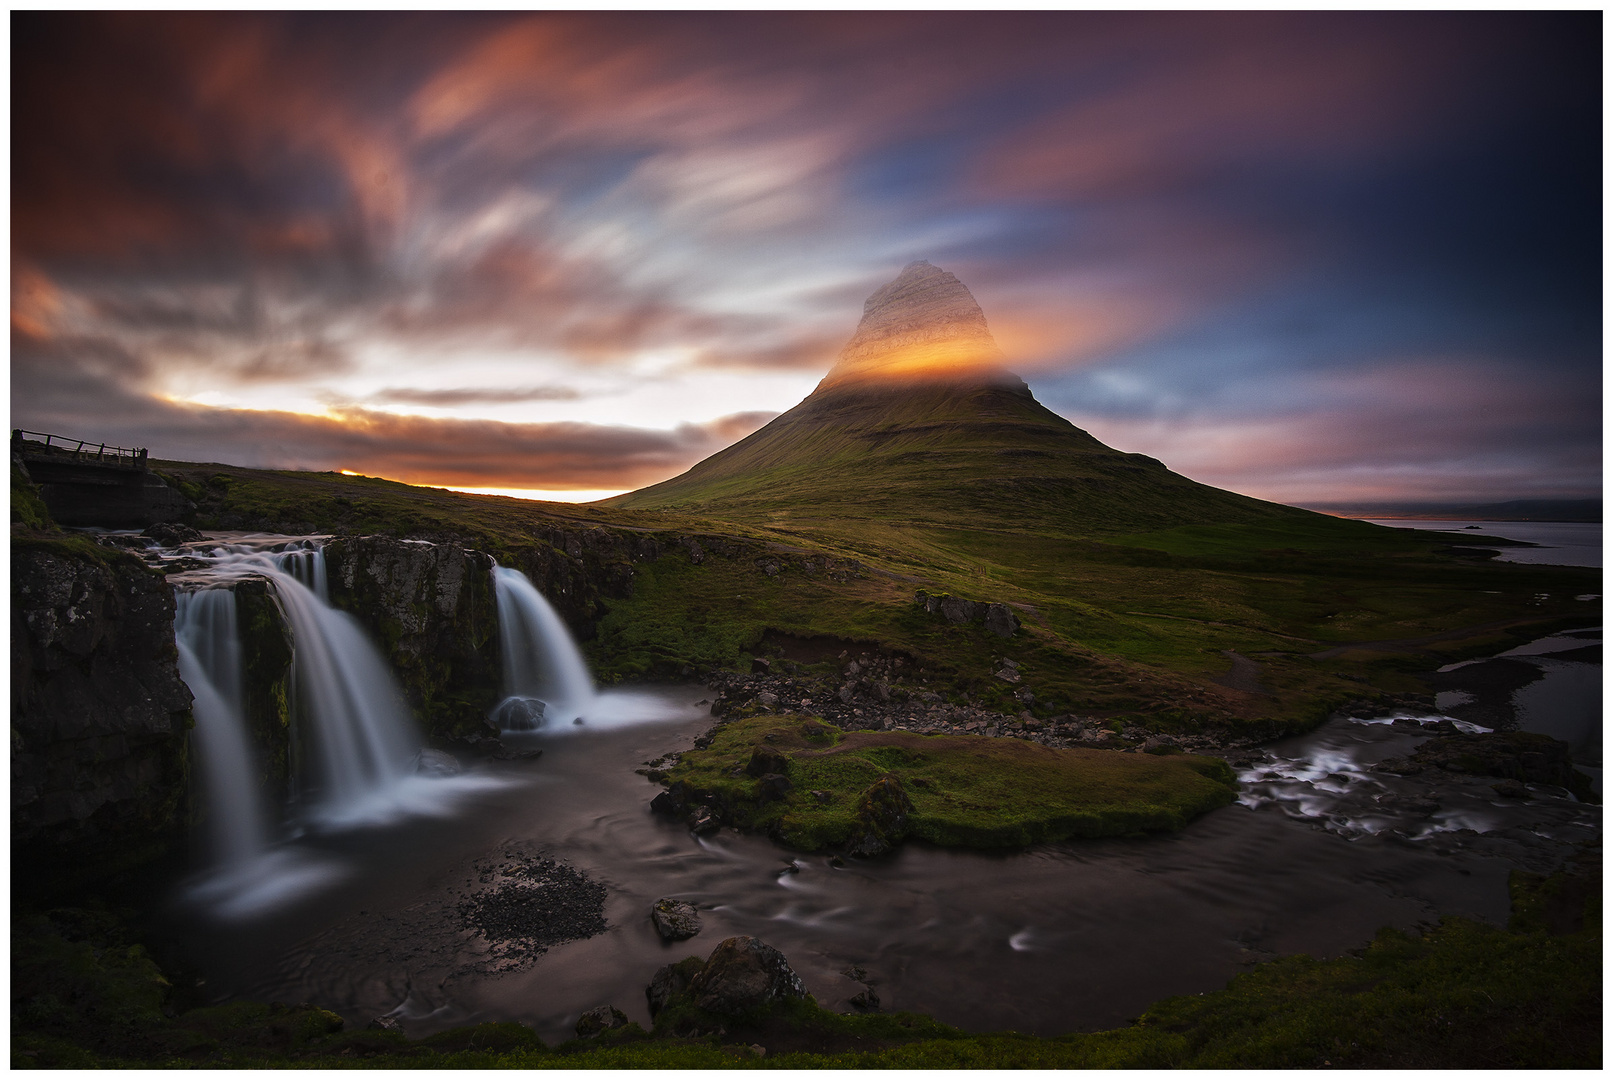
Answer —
1320 853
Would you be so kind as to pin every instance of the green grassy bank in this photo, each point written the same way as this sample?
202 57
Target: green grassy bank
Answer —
962 791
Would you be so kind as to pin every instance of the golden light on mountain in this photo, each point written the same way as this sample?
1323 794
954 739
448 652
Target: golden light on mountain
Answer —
923 326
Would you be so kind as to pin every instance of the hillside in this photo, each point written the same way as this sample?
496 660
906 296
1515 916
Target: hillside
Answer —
920 423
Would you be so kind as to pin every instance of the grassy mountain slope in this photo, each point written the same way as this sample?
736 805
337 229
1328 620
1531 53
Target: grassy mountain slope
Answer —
948 455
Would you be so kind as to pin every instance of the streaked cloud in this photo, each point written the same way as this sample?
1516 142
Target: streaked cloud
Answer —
1176 222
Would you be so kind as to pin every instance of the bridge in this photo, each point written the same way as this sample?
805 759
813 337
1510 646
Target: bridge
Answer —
87 483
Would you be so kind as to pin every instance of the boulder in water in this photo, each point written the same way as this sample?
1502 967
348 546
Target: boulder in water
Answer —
436 763
675 920
743 974
519 714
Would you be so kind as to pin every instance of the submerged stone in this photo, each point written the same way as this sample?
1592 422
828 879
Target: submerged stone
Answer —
436 763
519 714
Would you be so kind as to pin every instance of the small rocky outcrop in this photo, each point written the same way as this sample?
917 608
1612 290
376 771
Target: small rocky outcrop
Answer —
744 974
882 818
1522 756
675 920
172 534
595 1021
997 617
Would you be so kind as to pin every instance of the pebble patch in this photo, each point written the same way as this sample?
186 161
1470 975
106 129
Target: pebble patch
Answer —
532 904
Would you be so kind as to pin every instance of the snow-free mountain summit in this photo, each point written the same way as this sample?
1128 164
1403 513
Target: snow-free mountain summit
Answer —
920 421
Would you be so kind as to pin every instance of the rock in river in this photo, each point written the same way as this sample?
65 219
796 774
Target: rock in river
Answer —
436 763
675 919
742 974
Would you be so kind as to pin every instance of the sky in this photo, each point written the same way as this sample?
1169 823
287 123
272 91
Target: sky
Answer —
1318 257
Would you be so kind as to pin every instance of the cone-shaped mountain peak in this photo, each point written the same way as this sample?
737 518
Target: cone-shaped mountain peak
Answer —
924 325
919 421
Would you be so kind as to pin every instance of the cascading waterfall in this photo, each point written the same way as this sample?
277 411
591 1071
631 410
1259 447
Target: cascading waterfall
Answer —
541 663
359 729
359 741
360 751
210 663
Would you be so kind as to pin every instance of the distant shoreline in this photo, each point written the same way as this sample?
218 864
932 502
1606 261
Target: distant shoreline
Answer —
1358 516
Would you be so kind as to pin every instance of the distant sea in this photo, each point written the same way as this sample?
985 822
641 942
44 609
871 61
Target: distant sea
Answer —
1562 543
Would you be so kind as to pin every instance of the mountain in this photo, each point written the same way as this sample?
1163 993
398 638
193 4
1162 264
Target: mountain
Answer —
919 421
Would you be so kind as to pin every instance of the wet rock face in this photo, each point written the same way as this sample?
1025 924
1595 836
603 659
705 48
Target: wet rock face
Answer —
266 685
99 714
432 610
743 974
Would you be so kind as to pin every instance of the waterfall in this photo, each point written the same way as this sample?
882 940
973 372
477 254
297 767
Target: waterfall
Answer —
210 663
541 662
358 728
353 724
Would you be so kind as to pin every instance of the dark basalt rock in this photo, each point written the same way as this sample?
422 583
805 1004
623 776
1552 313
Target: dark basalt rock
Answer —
774 787
99 715
675 920
997 617
604 1018
519 714
1513 755
1001 621
172 534
671 980
743 974
882 818
765 761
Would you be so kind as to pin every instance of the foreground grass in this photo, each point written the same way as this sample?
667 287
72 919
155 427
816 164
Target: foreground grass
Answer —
964 790
1462 995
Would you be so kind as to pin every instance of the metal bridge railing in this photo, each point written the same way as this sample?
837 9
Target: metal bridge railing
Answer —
81 450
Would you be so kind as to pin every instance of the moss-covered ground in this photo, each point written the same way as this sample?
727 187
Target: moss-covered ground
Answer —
1132 624
965 790
1462 994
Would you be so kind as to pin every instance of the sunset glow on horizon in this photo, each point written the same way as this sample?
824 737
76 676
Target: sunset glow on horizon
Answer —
1308 256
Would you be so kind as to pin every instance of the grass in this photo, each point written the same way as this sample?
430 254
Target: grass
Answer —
965 791
1462 994
1126 614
